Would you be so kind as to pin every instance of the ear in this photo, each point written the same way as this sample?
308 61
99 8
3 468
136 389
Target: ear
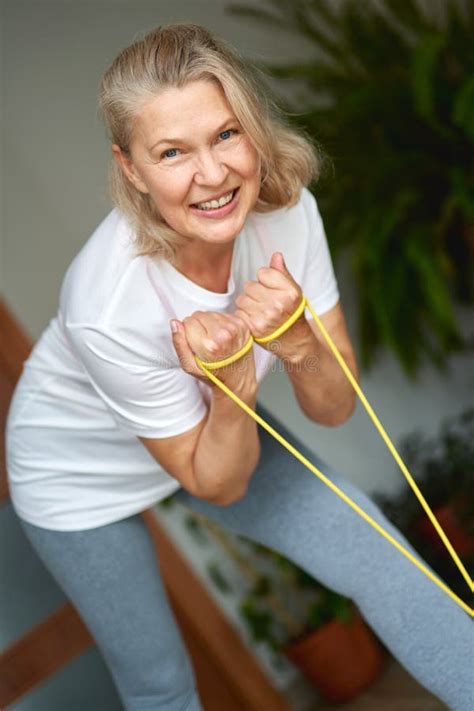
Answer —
128 168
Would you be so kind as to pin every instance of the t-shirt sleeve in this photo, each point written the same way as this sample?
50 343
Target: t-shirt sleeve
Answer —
319 283
149 396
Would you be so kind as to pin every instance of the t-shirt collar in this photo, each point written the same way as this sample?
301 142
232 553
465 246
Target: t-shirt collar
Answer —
194 291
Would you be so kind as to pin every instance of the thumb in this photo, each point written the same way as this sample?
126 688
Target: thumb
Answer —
277 262
179 339
175 326
185 354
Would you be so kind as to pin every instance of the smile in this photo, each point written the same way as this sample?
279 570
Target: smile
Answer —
217 207
213 204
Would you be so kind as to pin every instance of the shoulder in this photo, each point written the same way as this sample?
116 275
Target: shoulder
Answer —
108 304
307 207
100 273
304 212
291 229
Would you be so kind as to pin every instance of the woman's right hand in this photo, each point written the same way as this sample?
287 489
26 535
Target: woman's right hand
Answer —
213 336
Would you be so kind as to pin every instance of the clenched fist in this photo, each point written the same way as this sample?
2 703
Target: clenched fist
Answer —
213 336
266 304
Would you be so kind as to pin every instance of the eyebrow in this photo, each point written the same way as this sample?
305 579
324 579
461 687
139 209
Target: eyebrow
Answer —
180 140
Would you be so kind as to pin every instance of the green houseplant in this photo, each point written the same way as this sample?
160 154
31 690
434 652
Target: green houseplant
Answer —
443 467
389 94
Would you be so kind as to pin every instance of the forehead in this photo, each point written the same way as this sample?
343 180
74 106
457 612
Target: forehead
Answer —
198 104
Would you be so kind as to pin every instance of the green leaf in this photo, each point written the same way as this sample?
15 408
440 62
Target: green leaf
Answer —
218 578
409 14
424 65
341 607
316 615
263 586
463 191
167 503
259 622
463 108
193 526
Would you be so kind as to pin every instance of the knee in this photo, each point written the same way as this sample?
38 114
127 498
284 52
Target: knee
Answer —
169 686
324 525
177 701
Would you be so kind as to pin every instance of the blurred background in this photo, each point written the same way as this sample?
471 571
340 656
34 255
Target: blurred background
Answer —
386 87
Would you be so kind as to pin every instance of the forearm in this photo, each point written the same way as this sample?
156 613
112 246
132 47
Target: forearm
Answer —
321 387
228 449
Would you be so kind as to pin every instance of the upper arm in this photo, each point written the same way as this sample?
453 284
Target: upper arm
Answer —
146 392
176 454
335 323
149 397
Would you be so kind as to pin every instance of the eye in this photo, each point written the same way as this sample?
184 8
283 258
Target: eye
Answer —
228 133
170 153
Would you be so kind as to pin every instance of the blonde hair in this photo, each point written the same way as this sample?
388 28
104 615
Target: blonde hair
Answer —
172 56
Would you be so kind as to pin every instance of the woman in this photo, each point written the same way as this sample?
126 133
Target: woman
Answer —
214 237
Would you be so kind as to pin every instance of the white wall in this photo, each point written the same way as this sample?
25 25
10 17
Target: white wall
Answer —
55 157
56 152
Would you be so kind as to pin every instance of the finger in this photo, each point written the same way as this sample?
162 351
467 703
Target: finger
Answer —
273 279
239 333
219 327
246 303
276 273
246 319
181 346
196 341
256 291
201 333
242 325
277 262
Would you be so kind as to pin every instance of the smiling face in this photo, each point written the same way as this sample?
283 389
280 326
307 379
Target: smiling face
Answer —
190 154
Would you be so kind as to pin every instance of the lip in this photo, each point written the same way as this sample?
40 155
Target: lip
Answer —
218 212
215 197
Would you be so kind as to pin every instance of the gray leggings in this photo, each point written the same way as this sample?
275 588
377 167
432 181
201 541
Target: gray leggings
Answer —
110 575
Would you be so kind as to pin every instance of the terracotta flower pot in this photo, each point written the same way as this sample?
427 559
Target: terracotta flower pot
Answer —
340 659
462 543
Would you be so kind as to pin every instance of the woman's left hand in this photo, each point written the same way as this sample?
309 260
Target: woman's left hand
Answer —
268 303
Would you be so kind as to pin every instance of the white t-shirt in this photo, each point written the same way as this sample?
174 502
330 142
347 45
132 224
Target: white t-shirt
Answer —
104 370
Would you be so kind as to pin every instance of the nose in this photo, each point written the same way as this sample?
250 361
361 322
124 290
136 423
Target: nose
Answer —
210 169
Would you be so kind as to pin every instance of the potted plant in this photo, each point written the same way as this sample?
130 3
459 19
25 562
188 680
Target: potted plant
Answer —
389 93
317 629
443 467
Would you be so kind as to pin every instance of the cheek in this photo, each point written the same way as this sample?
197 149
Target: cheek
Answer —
250 162
170 189
244 158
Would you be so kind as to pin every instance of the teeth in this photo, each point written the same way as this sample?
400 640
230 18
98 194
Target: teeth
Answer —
212 204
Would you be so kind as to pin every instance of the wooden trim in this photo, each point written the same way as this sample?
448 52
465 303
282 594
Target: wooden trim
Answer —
227 674
38 654
15 345
6 390
62 635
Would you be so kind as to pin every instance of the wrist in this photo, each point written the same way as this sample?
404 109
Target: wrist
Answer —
245 390
223 409
297 344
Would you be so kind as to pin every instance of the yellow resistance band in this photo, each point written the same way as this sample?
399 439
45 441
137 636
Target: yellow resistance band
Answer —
208 367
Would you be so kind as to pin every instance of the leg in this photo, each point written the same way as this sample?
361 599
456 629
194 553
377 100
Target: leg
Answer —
290 510
111 576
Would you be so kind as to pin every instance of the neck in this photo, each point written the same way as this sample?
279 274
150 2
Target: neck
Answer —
207 266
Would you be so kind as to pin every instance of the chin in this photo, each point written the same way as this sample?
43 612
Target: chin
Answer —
219 237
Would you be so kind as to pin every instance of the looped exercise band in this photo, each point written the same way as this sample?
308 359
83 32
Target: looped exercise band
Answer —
207 367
